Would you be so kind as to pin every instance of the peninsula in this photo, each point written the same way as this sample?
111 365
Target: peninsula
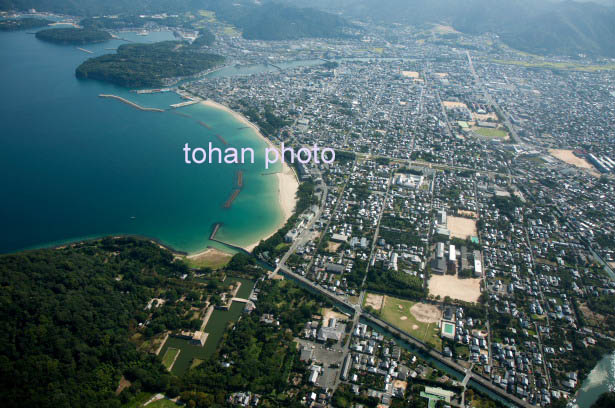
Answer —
147 65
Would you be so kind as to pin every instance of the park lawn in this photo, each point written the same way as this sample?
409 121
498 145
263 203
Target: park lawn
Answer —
425 332
491 133
462 351
229 30
281 246
535 159
215 260
207 13
138 401
163 403
169 357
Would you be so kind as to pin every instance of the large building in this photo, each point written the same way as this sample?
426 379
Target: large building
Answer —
409 180
478 265
452 260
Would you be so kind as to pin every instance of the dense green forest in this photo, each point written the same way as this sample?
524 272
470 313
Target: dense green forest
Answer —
274 21
71 317
12 24
269 21
399 284
146 65
205 39
132 21
536 26
97 7
66 316
77 36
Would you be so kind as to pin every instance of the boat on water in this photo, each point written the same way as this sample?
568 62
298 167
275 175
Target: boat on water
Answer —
143 33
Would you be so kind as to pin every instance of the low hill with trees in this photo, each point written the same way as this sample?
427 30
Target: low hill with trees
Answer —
74 36
148 65
14 24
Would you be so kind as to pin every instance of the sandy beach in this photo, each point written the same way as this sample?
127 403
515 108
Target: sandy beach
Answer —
288 183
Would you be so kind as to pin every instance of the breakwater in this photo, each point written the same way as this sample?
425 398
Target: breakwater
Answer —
221 139
228 203
127 102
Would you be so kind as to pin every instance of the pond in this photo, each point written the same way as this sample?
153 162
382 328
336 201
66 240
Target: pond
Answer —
215 328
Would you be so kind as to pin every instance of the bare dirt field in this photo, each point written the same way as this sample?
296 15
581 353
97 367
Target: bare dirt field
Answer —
568 157
333 246
484 117
467 290
328 314
374 301
443 29
410 74
400 384
426 313
124 383
451 104
461 227
594 318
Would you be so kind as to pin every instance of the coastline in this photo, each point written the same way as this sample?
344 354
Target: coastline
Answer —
288 183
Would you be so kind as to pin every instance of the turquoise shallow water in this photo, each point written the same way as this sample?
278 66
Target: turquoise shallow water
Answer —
74 165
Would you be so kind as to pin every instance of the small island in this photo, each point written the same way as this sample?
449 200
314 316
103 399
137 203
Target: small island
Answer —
14 24
75 36
148 65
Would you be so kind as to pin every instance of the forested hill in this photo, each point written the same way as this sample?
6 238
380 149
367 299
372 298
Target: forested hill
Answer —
66 317
147 65
538 26
274 21
73 321
98 7
76 36
266 21
12 24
